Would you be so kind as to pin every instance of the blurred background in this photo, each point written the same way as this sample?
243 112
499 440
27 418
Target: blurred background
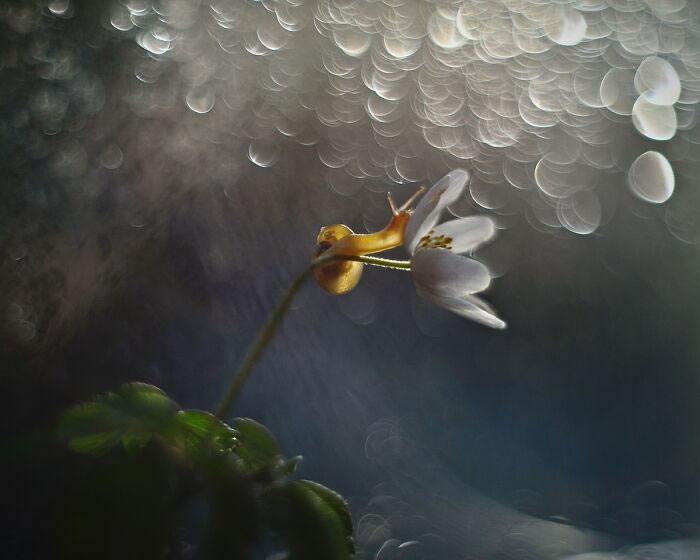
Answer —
166 166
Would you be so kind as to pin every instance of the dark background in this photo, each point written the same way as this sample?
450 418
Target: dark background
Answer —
583 410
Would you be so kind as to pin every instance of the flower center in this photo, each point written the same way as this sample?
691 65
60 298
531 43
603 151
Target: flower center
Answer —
431 241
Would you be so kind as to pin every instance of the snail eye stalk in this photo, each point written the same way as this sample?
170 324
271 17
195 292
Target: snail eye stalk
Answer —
406 206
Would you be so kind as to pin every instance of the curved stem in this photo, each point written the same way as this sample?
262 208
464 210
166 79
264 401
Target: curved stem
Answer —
374 261
268 331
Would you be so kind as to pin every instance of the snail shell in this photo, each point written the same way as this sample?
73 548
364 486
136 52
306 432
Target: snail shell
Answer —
336 277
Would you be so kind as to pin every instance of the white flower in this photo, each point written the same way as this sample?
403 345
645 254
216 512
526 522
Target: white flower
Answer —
441 273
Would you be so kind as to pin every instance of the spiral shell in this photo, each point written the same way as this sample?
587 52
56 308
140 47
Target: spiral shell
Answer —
336 277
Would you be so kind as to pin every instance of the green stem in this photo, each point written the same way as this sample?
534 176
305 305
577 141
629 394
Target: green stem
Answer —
374 261
268 331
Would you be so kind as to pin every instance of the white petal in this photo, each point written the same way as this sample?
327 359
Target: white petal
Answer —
445 273
466 234
471 307
427 213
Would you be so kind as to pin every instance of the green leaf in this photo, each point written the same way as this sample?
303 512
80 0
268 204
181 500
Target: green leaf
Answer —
310 526
136 412
95 444
257 447
83 419
132 414
203 428
135 441
147 398
337 503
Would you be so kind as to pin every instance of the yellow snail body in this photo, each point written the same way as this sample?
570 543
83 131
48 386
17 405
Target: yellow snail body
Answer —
341 276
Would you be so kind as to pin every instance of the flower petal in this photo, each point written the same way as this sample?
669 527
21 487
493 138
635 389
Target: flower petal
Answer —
470 307
465 234
445 273
427 213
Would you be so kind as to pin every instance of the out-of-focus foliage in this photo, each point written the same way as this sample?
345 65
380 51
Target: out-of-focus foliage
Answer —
173 457
315 528
136 413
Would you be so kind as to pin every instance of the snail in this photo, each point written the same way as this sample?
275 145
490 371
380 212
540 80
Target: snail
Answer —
341 276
